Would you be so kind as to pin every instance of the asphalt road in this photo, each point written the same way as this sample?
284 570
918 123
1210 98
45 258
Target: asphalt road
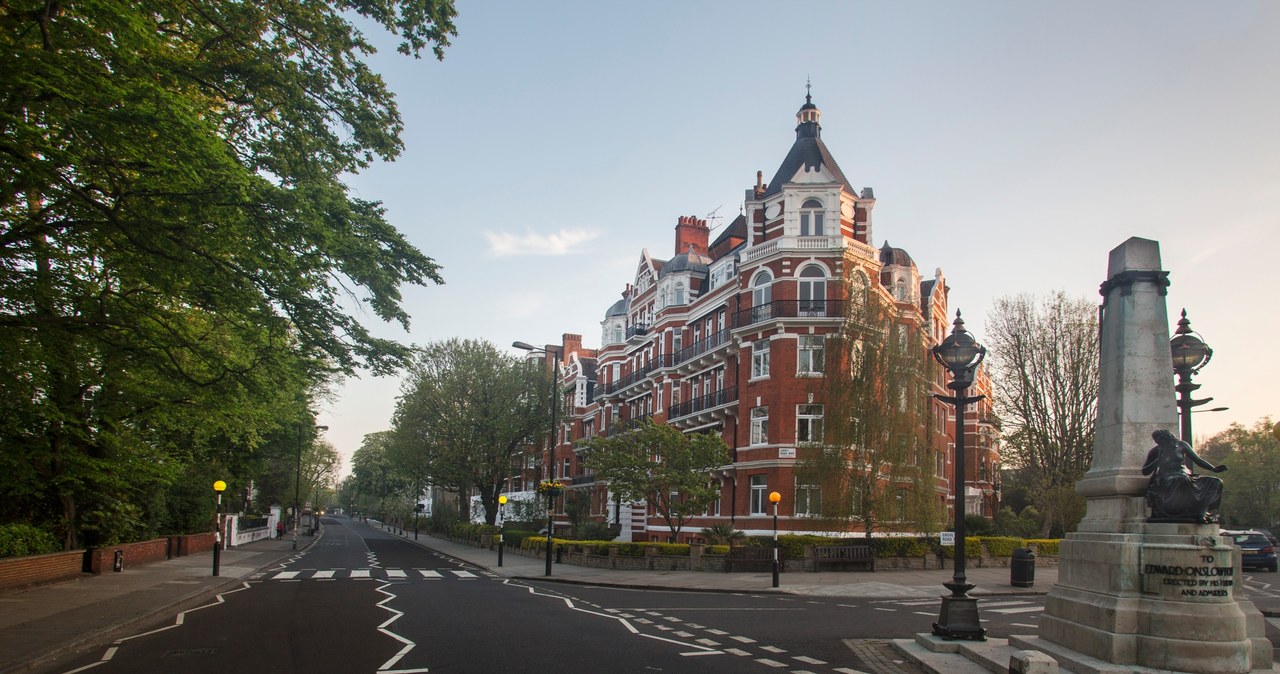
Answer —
362 600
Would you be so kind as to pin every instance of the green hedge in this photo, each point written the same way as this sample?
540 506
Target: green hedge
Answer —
972 548
1045 546
1001 546
20 540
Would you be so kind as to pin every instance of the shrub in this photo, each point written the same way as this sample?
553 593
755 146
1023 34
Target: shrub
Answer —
722 534
1045 546
19 540
972 548
717 550
1003 546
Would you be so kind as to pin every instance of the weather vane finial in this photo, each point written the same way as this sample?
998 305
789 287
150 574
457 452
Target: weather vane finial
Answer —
808 90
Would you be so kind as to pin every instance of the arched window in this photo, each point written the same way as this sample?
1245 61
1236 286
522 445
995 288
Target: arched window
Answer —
811 218
762 297
900 291
813 291
679 292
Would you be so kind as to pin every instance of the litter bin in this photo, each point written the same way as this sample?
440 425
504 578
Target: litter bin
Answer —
1022 568
118 564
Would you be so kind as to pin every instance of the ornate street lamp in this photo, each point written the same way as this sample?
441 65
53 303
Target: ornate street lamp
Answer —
551 439
1190 354
960 353
218 487
774 498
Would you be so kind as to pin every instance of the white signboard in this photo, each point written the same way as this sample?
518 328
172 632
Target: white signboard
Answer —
786 452
948 537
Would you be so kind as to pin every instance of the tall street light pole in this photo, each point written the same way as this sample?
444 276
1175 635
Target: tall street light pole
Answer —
555 355
960 354
297 485
1190 354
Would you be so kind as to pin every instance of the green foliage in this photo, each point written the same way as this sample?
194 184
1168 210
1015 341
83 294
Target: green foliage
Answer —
18 540
869 466
1249 497
660 464
1001 546
722 534
1021 525
595 531
717 550
182 263
1045 546
972 548
466 415
978 525
515 537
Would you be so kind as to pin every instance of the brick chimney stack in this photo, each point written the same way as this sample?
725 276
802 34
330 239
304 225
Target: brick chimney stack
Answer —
691 231
572 343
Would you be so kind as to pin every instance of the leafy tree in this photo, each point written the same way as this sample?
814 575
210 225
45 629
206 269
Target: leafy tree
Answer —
375 478
873 464
1044 365
177 249
660 464
468 411
1249 497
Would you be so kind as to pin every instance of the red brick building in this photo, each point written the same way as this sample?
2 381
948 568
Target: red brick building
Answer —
729 335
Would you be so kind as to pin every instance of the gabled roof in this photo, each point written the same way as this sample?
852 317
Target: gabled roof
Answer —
808 152
736 230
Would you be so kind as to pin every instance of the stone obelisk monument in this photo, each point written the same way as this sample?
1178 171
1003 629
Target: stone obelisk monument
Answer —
1133 595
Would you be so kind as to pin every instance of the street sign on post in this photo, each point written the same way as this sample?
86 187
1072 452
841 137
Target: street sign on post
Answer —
948 538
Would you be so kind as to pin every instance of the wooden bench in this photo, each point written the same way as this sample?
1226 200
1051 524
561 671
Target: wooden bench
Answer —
843 555
751 558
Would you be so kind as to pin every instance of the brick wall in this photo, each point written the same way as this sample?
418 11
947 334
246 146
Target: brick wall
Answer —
181 546
145 552
35 569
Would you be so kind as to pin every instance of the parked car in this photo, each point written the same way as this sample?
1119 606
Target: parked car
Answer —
1267 532
1256 550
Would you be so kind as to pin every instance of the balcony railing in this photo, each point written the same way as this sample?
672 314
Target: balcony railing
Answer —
624 426
789 309
645 370
701 403
702 346
637 330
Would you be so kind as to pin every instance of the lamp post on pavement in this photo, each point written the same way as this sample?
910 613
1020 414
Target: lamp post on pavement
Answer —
297 486
218 487
502 507
551 439
1190 355
960 354
775 498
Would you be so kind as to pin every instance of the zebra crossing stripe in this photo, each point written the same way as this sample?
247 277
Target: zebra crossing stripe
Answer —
429 575
395 573
359 573
464 574
322 574
285 575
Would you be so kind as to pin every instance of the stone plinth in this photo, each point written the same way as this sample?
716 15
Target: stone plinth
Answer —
1133 596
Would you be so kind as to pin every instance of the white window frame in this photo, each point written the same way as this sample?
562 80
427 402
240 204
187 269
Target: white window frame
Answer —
760 359
808 500
811 216
759 494
811 355
759 425
809 422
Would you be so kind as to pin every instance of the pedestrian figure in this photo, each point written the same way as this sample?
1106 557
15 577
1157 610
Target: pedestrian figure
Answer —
279 530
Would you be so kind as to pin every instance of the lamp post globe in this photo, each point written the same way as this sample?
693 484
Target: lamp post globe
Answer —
219 486
960 354
1190 354
775 498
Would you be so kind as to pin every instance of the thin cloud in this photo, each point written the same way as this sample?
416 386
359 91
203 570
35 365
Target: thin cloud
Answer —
564 242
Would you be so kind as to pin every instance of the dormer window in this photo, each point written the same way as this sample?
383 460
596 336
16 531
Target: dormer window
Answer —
811 218
679 292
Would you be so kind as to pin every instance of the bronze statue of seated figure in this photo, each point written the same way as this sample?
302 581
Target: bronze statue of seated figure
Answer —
1175 493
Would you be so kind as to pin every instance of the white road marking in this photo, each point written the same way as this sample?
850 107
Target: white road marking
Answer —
359 573
770 663
395 573
429 575
809 661
736 651
464 574
744 640
285 575
708 642
322 574
1024 609
773 649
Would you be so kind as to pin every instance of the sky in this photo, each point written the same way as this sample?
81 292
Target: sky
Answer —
1012 144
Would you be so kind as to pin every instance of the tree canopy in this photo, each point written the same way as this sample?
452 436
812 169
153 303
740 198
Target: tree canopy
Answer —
873 463
180 262
466 414
1249 497
662 465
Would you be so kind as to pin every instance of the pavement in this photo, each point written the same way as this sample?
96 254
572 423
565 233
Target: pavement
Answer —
41 624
